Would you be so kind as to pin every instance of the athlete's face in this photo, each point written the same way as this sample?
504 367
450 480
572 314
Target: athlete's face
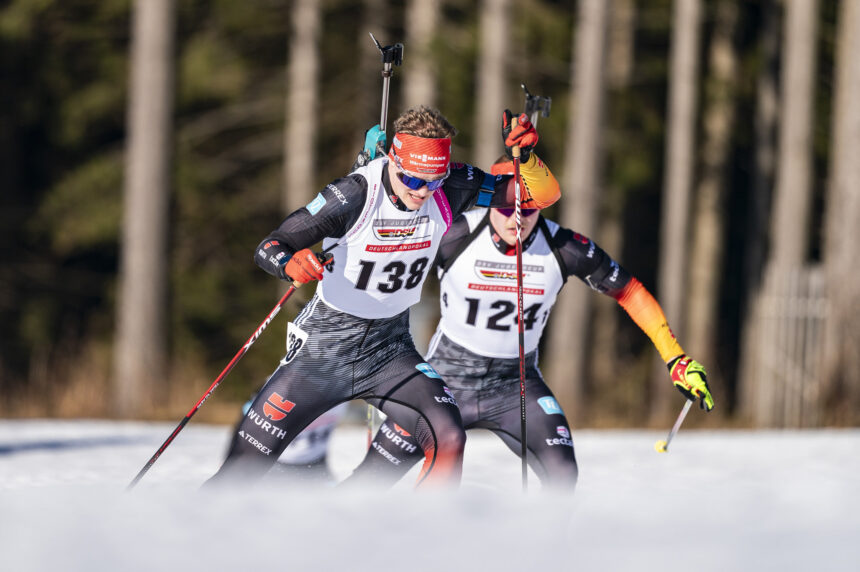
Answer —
504 222
411 198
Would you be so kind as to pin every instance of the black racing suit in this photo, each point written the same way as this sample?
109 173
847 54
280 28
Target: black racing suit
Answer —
345 357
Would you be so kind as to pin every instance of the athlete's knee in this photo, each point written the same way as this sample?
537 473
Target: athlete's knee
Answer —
441 430
444 434
442 438
452 440
446 456
443 456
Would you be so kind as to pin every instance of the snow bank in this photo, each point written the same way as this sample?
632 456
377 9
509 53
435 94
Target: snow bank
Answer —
716 501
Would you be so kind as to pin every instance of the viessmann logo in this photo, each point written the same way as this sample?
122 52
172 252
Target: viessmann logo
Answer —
424 157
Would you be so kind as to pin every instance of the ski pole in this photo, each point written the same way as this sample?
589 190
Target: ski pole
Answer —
242 351
663 446
391 55
534 105
520 325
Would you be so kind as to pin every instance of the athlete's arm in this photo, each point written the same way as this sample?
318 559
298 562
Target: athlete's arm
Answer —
587 261
334 210
644 309
468 186
539 187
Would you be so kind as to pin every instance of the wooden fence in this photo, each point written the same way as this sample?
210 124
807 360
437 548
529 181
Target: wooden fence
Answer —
783 383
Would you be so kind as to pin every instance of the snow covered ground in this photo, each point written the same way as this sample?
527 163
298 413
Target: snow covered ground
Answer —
717 501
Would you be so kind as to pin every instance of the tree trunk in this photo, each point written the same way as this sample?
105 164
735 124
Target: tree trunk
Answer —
422 17
583 155
374 20
793 198
780 373
766 118
709 216
492 79
678 182
604 363
622 40
302 94
766 125
842 226
141 346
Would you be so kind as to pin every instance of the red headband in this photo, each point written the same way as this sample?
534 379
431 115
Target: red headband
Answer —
421 155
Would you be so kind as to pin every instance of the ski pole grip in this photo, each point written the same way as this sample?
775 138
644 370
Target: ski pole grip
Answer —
515 150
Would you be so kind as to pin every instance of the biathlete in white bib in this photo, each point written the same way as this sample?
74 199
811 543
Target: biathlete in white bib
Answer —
476 348
383 223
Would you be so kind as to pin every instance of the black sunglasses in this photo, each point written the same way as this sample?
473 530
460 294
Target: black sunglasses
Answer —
505 212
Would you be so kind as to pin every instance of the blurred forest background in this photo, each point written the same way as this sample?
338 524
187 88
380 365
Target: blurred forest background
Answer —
712 147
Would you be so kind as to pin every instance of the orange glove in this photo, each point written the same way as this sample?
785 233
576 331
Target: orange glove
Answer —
303 267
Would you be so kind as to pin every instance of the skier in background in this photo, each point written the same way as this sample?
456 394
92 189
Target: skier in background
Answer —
476 347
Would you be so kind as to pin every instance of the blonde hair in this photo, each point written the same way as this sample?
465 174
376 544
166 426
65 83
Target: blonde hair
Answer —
422 121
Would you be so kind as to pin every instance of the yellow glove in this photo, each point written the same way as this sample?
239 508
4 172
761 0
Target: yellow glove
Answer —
690 378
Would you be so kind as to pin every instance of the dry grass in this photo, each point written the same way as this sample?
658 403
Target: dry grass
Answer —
79 386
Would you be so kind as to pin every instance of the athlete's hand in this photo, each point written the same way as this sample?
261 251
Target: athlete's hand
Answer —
523 134
304 266
690 378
